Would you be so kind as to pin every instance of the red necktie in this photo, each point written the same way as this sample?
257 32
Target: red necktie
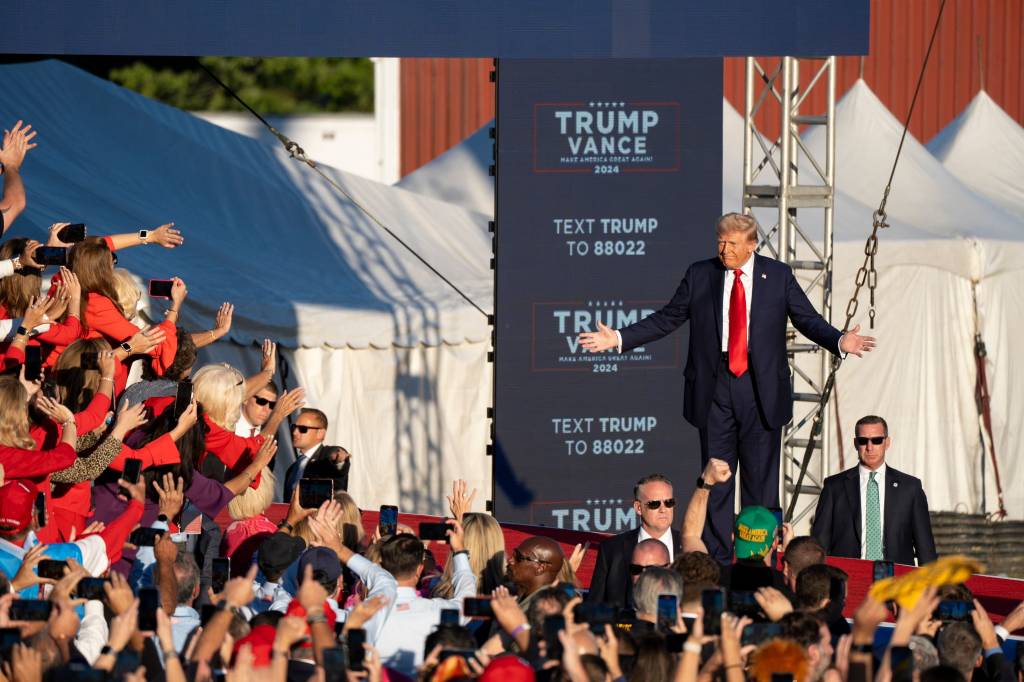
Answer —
738 326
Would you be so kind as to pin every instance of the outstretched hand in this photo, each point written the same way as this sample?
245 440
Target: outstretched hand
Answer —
852 342
603 339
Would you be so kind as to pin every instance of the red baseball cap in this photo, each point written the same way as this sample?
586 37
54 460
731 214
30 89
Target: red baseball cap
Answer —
508 668
16 502
261 639
296 609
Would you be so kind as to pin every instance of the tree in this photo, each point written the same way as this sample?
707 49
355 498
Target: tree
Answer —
270 85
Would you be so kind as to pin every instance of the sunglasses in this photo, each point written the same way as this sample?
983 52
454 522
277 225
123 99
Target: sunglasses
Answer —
263 402
861 441
656 504
637 569
519 556
303 429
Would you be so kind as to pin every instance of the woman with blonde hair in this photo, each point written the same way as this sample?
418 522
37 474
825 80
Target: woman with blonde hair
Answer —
486 545
20 456
250 527
128 293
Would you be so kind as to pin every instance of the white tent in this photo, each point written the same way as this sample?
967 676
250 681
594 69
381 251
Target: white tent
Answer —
395 358
984 148
922 377
459 176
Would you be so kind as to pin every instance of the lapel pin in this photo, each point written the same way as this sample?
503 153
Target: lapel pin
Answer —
895 484
764 276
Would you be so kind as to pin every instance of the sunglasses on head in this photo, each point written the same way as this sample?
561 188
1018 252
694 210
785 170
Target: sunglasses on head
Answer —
637 569
303 429
861 441
656 504
263 402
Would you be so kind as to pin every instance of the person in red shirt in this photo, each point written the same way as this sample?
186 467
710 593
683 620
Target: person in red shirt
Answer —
20 455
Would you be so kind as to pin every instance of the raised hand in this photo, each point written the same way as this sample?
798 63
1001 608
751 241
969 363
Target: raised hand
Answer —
186 420
166 236
17 143
146 340
578 552
222 324
603 339
136 491
171 495
178 291
852 342
459 502
129 418
268 361
716 471
54 410
72 284
26 575
28 255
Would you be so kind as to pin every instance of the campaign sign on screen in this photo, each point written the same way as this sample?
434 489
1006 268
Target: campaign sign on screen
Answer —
608 187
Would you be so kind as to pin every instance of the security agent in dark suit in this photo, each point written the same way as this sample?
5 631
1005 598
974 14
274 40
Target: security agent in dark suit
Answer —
313 458
737 391
612 582
873 511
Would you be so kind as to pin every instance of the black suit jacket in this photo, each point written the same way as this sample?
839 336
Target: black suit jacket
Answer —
906 528
776 296
611 582
320 466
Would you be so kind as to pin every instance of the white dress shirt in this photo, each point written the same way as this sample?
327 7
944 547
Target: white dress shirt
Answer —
244 429
410 618
865 475
747 278
665 539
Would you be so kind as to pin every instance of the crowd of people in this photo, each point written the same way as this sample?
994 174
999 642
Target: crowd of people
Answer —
117 454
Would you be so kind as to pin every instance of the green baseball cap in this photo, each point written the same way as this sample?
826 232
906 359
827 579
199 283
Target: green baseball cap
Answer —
755 532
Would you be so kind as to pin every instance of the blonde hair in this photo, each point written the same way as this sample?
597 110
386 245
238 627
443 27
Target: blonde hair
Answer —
350 525
738 222
128 293
253 502
220 389
77 386
14 415
486 545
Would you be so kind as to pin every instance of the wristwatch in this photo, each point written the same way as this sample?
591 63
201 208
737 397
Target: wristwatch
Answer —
143 235
126 347
704 485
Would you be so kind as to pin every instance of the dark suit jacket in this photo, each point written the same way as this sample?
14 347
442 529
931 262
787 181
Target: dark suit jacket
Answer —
611 582
320 466
906 528
776 296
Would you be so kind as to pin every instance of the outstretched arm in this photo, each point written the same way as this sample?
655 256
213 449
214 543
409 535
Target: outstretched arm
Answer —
716 471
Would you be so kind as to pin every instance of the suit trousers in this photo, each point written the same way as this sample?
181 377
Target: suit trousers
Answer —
736 433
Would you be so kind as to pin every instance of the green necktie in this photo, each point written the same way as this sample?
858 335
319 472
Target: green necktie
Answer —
873 521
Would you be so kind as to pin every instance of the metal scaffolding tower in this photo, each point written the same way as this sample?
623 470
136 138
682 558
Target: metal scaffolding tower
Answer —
772 180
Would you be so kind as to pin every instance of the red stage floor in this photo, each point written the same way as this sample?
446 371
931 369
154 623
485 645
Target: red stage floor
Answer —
998 595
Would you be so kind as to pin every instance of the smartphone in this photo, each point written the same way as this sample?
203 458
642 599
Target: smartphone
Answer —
51 255
315 491
594 613
901 659
182 397
40 509
388 520
132 470
33 363
334 664
354 641
430 530
713 602
477 607
756 633
449 616
91 588
552 626
953 609
69 234
160 288
8 638
145 537
668 609
31 609
89 360
742 603
883 570
149 602
51 568
221 574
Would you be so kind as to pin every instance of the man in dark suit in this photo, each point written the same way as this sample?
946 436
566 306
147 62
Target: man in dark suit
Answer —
737 388
313 459
873 511
612 582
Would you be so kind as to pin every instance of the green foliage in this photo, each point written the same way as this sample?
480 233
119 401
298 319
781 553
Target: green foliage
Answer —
271 85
